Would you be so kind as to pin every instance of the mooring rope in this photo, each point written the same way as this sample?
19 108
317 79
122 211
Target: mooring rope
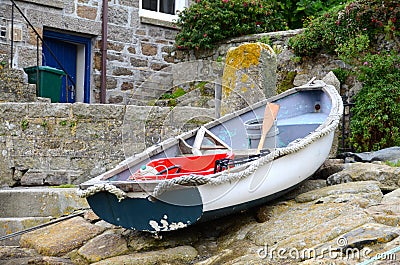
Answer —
58 220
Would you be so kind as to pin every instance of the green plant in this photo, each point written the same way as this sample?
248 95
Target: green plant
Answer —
64 186
337 30
44 124
63 123
206 22
296 59
172 103
176 93
72 124
341 74
350 51
265 40
2 64
296 12
277 49
393 164
376 115
24 124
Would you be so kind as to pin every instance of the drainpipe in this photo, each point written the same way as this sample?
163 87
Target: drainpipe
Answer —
104 52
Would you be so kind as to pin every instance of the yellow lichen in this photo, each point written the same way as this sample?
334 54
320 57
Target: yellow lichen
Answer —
242 57
245 78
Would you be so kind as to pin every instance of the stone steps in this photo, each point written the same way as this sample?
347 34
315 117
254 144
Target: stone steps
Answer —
22 208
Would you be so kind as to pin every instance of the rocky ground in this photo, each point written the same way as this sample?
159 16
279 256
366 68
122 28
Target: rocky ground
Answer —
347 213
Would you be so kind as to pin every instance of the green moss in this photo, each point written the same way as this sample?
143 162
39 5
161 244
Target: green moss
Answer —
287 83
64 186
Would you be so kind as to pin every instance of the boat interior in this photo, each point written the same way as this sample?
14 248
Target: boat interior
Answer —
300 113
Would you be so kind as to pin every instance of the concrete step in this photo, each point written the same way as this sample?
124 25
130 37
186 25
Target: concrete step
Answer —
39 202
23 208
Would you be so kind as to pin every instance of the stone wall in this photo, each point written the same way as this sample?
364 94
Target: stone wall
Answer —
208 65
13 87
52 144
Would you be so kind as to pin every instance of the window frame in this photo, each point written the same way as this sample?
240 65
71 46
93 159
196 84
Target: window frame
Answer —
156 15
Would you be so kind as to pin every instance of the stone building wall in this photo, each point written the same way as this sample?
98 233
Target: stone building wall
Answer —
135 49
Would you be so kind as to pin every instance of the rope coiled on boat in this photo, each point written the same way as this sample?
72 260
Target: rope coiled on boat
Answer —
120 194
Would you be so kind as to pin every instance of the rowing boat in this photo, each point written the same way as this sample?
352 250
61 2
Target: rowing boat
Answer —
238 161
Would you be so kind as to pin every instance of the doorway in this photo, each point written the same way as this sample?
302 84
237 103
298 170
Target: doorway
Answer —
73 53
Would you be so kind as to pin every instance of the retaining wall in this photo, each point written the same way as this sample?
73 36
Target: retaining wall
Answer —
53 144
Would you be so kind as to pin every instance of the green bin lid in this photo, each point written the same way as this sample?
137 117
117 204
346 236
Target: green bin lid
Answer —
44 68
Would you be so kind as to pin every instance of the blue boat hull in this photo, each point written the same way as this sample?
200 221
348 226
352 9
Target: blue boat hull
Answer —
168 212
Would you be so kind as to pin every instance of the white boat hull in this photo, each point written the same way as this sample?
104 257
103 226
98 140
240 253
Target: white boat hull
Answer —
271 178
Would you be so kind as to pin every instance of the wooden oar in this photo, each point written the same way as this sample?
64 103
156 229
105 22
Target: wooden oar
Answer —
271 111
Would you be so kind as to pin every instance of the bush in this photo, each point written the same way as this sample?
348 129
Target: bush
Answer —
337 32
350 32
207 22
376 121
295 12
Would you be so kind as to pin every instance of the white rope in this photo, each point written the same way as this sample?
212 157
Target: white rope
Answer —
102 187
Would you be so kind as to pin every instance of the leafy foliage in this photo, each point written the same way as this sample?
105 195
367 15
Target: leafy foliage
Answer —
296 12
342 74
376 121
352 32
207 22
349 29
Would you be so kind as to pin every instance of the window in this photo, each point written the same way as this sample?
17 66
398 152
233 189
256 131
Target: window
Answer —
3 32
161 9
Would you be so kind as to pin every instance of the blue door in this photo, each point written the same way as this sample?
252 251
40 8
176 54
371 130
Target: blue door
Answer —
73 52
66 54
